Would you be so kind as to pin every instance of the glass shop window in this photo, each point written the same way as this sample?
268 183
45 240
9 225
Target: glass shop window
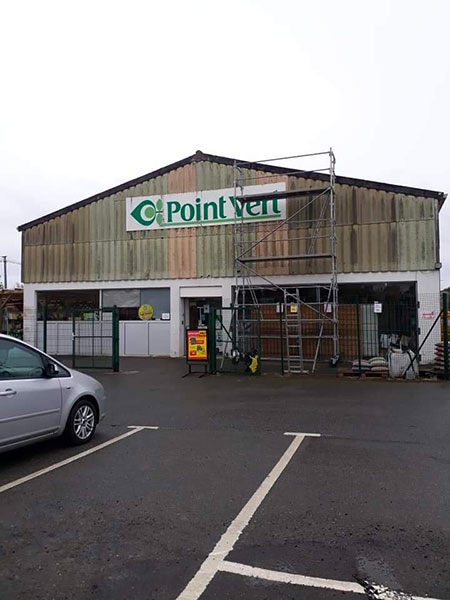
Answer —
159 300
127 301
60 304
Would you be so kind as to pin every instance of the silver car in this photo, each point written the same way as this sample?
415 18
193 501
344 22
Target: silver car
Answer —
41 398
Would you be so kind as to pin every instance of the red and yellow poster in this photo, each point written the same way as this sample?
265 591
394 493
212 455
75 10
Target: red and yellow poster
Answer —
197 346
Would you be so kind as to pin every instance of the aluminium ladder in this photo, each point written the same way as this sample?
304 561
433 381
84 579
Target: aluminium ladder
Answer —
294 338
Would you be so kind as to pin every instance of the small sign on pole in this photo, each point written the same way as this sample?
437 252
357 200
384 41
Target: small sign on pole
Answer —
377 307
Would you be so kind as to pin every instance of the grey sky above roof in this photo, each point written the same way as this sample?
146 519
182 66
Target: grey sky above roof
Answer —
97 92
199 156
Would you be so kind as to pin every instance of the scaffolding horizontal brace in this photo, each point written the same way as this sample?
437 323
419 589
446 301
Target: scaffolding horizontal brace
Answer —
292 323
281 194
290 257
313 337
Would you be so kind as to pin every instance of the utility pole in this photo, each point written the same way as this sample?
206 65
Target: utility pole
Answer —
5 275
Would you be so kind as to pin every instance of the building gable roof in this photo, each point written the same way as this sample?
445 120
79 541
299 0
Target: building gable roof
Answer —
223 160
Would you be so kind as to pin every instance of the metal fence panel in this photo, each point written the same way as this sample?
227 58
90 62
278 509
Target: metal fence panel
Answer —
95 338
235 340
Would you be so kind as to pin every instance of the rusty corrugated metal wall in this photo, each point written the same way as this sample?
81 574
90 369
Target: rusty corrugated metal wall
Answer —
376 231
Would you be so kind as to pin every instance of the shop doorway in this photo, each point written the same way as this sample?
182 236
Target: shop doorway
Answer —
197 311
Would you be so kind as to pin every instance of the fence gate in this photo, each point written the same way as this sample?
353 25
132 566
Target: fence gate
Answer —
235 340
95 338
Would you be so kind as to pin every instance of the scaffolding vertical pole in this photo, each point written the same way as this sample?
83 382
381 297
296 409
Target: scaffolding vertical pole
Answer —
358 335
44 327
280 306
236 245
333 251
304 241
238 293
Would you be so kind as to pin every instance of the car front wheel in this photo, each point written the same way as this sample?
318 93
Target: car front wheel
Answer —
82 422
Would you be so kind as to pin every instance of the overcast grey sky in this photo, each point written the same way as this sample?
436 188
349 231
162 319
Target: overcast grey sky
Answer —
97 92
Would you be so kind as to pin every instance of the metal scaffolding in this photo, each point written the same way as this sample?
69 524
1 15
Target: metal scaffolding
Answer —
307 232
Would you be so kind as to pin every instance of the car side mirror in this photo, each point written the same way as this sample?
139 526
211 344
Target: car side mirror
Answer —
50 370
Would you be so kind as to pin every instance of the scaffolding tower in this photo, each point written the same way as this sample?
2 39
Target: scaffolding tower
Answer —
307 232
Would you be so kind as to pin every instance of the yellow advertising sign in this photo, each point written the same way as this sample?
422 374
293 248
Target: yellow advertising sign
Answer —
294 308
197 346
145 312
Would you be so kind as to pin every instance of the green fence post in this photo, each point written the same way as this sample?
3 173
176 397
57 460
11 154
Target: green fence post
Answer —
358 327
73 339
44 328
212 341
115 339
445 325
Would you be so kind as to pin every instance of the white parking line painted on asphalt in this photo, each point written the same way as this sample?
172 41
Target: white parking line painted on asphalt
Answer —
278 576
305 434
67 461
142 427
294 579
211 565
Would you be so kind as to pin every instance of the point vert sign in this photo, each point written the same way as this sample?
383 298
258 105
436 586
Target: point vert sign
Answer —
197 209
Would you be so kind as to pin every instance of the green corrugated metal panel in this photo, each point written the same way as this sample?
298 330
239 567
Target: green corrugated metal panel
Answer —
302 246
215 251
374 247
212 176
215 245
356 205
310 208
416 245
377 231
154 257
119 231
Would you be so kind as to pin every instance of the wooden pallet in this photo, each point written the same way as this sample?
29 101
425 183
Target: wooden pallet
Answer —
364 374
348 373
377 374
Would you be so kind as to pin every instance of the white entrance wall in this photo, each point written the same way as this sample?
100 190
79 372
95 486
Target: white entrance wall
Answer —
428 289
144 338
199 291
136 338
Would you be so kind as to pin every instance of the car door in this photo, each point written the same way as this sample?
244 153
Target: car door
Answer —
30 402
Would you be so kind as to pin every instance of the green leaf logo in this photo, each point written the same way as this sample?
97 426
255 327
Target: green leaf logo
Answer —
146 212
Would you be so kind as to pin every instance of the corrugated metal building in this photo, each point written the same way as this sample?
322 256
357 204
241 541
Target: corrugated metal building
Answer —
89 254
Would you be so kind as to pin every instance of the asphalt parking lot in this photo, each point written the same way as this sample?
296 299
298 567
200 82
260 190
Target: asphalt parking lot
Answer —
214 488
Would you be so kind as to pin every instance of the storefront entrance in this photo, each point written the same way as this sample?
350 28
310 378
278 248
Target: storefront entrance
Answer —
197 311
